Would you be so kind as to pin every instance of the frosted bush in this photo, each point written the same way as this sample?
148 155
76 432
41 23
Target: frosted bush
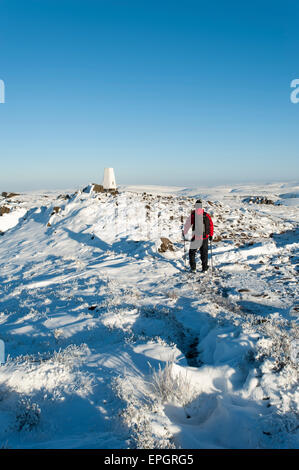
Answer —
170 386
28 415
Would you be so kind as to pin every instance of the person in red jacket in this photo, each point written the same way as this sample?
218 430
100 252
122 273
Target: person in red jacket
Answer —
202 231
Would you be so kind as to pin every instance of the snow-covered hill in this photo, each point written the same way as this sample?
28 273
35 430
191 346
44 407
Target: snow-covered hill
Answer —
111 344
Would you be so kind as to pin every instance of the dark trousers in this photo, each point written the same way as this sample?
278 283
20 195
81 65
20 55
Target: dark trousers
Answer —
203 255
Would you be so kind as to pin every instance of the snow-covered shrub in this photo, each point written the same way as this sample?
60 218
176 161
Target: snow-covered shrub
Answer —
136 416
279 341
142 434
28 415
173 295
172 386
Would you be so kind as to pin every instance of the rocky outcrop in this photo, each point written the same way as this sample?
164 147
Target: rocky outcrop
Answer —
4 210
8 195
166 245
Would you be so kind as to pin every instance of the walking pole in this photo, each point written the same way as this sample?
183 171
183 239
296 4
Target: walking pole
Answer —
211 256
184 248
183 235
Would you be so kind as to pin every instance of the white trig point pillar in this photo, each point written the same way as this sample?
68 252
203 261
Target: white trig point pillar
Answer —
2 352
109 179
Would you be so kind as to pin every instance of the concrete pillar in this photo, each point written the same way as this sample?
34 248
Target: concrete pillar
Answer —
109 179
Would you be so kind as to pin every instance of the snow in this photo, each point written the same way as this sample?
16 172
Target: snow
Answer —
110 343
8 221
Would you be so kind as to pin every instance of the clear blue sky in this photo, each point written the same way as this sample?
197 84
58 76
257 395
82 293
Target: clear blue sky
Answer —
166 92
